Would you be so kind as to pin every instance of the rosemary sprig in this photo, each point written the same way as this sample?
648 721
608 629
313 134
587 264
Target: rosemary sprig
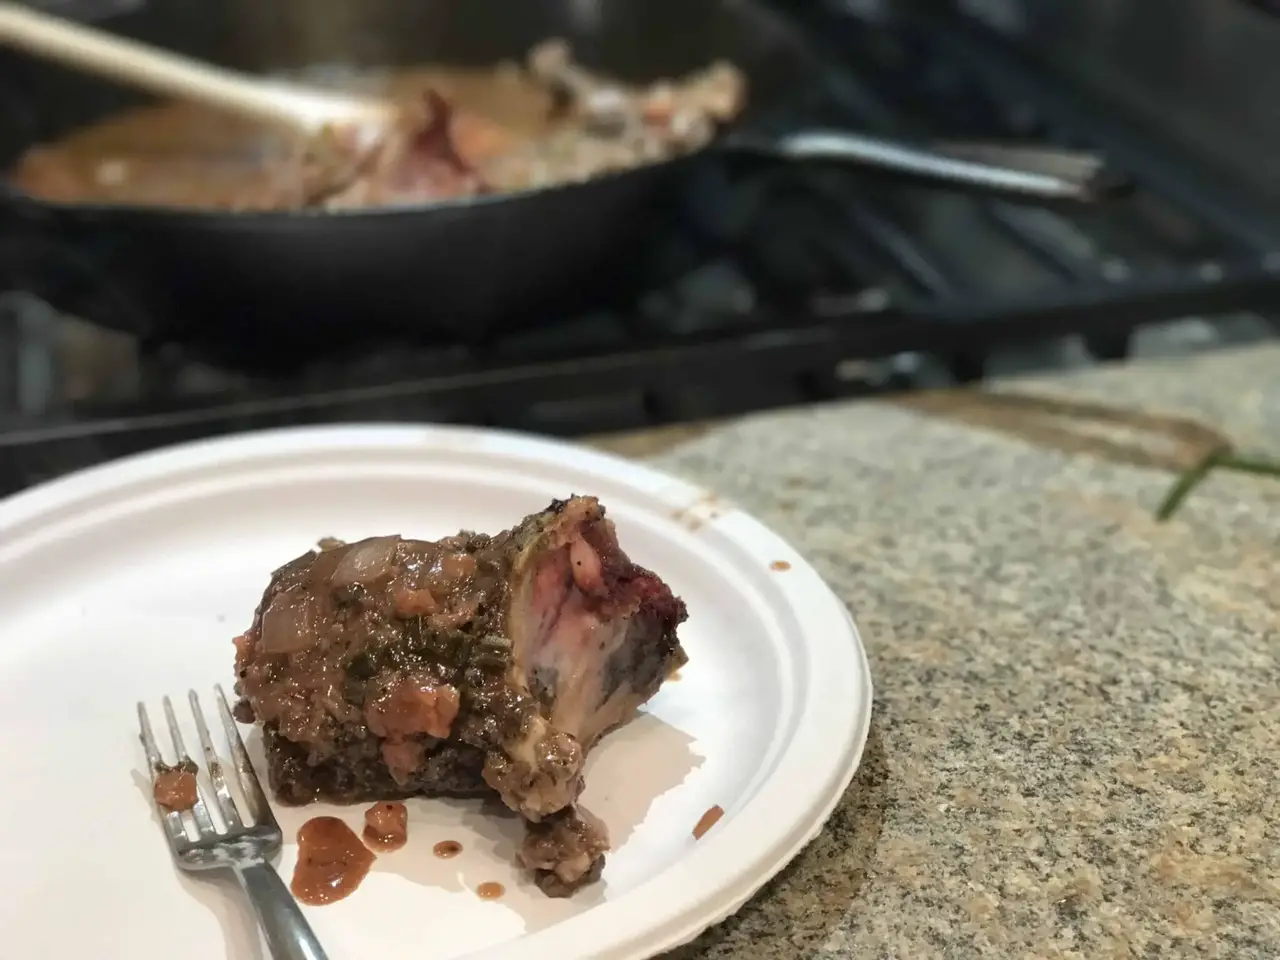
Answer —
1182 487
1255 465
1216 460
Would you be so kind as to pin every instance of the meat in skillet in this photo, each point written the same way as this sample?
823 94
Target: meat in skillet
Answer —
475 664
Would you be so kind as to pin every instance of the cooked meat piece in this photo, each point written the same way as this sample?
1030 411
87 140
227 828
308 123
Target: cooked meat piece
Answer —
427 155
389 667
663 119
515 127
564 850
415 161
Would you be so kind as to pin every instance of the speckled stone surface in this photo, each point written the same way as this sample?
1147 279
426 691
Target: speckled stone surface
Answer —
1077 723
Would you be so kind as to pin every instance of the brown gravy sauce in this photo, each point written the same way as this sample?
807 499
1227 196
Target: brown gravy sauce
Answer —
386 826
707 821
447 849
331 862
490 890
176 789
780 565
184 154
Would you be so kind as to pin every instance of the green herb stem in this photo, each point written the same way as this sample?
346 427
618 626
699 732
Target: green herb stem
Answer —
1219 459
1183 486
1254 465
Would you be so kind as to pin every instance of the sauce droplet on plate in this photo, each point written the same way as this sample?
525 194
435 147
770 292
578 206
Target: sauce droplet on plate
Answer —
779 565
707 821
331 861
490 890
386 826
447 849
175 789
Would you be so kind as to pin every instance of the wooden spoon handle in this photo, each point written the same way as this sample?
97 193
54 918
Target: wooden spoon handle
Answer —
171 75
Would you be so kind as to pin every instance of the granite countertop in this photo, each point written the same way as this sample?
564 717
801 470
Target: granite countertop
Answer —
1078 707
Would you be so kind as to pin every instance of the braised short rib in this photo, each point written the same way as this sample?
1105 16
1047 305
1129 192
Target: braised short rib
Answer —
475 664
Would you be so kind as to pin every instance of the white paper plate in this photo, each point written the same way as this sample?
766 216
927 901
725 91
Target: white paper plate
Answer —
128 581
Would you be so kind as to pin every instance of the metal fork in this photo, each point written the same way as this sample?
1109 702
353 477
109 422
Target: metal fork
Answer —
244 850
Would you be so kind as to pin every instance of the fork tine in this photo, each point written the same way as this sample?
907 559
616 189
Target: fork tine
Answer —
171 818
249 784
204 825
226 804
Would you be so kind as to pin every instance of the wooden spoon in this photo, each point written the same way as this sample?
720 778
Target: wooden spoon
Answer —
309 111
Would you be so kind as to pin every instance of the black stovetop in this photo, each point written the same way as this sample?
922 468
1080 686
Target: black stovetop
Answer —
800 285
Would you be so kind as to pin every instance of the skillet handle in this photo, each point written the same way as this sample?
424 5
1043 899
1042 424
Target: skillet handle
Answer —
1014 172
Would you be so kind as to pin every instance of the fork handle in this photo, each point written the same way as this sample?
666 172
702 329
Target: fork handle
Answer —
288 935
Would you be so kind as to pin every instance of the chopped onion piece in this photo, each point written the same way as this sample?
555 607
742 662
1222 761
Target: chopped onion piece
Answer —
288 624
365 562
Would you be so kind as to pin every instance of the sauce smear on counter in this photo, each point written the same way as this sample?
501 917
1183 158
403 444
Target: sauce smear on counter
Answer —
490 890
386 826
331 861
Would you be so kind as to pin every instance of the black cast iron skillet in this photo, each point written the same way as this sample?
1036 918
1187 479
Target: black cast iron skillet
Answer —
460 267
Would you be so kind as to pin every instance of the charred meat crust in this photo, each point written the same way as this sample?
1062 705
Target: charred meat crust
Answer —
564 851
475 664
